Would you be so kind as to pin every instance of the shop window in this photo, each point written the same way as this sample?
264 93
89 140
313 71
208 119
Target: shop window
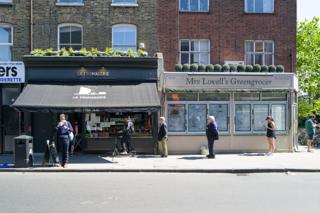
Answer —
243 117
194 52
214 97
70 36
5 1
9 95
6 42
176 117
220 112
260 112
197 117
279 116
103 124
274 96
247 96
259 6
259 52
124 37
182 96
194 5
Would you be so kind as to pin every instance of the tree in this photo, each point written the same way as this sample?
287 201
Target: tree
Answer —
308 56
308 66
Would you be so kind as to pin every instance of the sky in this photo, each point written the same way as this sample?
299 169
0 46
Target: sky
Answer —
307 9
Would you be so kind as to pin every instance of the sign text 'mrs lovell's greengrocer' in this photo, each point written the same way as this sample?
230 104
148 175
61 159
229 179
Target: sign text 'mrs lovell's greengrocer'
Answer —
12 72
230 81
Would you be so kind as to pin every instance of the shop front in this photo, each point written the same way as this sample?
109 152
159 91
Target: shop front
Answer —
240 103
12 75
97 95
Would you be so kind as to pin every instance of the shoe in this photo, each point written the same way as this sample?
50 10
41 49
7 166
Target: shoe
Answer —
123 153
211 156
268 154
65 165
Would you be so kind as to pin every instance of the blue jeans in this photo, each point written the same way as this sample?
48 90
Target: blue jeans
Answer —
211 147
64 149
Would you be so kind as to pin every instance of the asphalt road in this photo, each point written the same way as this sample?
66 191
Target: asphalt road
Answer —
158 192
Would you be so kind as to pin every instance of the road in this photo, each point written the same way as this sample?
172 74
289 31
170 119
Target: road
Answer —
158 193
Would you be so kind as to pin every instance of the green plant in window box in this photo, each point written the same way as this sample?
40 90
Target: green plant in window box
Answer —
117 53
37 52
95 52
217 68
272 68
107 52
49 52
241 68
256 68
202 68
63 52
225 68
264 68
83 52
194 67
142 53
233 68
186 67
279 68
249 68
209 68
178 67
130 53
71 52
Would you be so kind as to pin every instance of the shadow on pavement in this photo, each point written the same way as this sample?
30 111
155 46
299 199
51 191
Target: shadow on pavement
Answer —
252 154
192 158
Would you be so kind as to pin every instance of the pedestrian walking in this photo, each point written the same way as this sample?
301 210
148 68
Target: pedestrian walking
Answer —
310 131
212 135
271 135
76 135
64 130
163 138
128 129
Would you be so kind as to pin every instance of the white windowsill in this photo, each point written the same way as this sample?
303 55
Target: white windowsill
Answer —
70 4
123 5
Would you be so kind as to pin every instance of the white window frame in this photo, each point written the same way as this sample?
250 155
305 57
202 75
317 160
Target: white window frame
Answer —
246 7
11 43
125 26
125 4
199 52
263 53
59 3
189 10
69 25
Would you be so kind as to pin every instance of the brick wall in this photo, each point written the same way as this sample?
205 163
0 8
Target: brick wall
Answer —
97 18
18 16
227 27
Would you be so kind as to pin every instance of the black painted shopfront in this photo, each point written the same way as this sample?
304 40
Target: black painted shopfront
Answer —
97 93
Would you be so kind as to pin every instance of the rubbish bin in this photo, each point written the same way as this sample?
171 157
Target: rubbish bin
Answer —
23 151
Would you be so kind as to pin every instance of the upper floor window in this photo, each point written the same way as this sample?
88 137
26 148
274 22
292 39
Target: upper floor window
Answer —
259 52
194 5
6 42
194 51
70 1
70 35
124 1
124 37
5 1
259 6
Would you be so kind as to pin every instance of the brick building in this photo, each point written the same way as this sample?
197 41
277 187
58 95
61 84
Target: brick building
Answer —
226 31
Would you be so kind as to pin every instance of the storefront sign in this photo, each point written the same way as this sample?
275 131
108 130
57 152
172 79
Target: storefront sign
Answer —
89 94
230 81
12 72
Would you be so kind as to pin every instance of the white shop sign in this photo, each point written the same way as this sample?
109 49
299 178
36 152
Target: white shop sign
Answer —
176 80
12 72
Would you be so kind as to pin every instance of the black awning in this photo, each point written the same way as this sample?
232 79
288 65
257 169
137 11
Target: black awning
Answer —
112 98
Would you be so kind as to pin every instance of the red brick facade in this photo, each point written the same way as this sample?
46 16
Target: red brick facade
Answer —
227 27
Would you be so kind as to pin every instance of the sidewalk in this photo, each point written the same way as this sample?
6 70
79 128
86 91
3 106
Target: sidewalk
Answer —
224 163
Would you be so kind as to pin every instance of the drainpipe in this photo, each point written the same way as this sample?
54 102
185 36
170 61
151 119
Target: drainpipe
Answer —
31 25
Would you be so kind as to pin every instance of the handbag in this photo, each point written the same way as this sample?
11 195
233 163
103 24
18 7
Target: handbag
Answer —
71 136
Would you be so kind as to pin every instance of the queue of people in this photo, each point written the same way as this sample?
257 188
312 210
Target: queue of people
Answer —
65 139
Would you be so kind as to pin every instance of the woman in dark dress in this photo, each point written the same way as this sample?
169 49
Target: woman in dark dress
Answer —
271 135
212 134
